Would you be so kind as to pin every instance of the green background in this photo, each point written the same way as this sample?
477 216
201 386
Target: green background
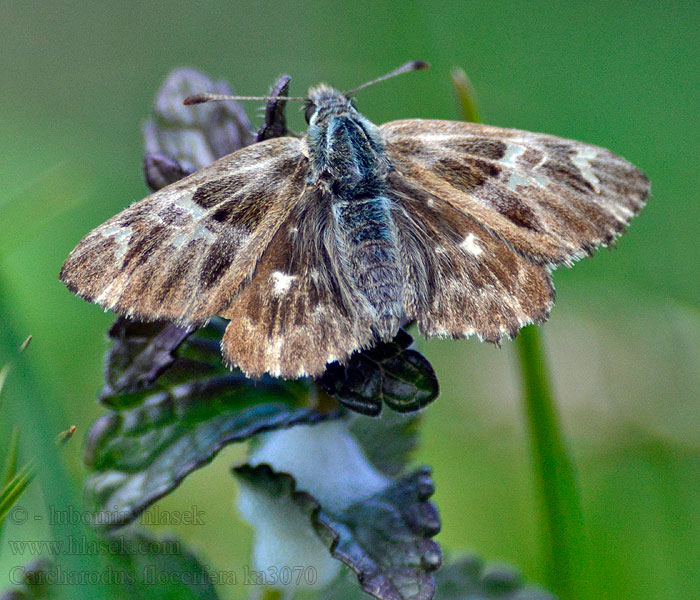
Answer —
76 82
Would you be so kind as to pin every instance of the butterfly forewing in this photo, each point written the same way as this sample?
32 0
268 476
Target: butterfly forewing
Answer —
551 199
182 253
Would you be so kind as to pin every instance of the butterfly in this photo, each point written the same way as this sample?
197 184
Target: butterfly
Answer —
318 246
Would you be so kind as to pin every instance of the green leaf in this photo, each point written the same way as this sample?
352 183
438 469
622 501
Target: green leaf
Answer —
387 441
4 372
174 407
385 538
142 352
390 372
12 486
7 367
10 467
158 569
468 579
11 458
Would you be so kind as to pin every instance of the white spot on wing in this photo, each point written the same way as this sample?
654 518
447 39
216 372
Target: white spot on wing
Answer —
621 213
121 237
196 211
514 180
625 211
103 296
470 245
200 232
281 282
512 152
581 160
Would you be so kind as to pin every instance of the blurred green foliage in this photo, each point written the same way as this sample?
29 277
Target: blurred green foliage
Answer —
77 81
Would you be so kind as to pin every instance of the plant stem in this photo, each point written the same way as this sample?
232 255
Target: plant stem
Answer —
560 506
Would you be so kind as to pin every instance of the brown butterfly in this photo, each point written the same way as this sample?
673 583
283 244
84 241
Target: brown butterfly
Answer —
319 246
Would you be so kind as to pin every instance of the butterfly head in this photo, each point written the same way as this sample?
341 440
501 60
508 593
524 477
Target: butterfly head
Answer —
325 101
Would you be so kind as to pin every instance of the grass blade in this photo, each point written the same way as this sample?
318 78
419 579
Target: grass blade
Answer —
14 489
4 372
10 467
466 99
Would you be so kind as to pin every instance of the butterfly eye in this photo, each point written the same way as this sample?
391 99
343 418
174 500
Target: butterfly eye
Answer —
309 111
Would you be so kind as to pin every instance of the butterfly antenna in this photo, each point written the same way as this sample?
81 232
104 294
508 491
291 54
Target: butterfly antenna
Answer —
414 65
205 97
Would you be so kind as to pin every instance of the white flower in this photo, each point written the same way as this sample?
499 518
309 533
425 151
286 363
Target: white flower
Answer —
327 462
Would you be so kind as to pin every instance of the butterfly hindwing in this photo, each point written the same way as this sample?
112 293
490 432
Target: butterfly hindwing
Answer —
300 310
181 253
460 280
551 199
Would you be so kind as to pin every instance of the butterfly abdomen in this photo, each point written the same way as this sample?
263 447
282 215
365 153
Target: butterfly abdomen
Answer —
366 238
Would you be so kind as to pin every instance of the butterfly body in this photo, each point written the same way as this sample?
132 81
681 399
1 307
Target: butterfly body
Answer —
349 167
318 247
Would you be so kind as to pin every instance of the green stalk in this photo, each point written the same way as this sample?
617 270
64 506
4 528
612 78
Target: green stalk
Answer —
466 98
562 533
560 506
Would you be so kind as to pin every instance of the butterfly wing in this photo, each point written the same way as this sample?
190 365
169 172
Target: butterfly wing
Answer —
460 280
182 253
299 311
242 238
552 199
491 211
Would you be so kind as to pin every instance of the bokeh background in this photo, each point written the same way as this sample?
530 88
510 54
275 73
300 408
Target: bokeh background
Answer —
77 81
